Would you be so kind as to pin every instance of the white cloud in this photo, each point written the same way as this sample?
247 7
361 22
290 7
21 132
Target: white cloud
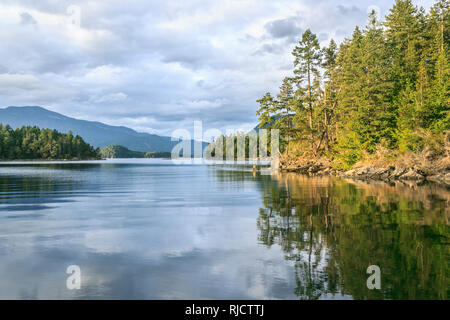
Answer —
111 97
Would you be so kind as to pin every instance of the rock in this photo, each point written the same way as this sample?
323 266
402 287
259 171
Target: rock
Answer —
362 171
436 178
386 173
326 170
314 168
349 173
412 175
339 173
397 173
380 173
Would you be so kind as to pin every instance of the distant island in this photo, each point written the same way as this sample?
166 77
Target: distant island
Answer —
117 151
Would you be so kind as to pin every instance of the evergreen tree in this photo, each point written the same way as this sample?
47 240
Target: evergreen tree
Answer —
307 61
267 106
284 108
330 88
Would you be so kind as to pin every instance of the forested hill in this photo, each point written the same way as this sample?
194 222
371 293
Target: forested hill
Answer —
383 93
97 134
34 143
116 151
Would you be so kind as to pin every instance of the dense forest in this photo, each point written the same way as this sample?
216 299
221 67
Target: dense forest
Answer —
35 143
387 87
384 92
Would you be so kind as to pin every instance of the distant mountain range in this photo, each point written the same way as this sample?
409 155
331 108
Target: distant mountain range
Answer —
95 133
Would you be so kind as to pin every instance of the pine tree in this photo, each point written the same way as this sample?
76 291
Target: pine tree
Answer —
284 107
307 61
330 89
402 34
267 106
439 21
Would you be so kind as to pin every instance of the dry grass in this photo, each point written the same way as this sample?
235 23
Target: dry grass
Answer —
433 159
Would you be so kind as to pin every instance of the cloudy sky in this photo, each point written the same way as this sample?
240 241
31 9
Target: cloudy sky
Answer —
158 65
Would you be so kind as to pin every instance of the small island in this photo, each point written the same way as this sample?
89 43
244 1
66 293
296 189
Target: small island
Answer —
117 151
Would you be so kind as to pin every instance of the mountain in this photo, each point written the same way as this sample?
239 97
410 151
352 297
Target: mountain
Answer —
95 133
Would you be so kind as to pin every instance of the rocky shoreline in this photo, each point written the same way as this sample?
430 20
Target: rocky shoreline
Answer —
380 173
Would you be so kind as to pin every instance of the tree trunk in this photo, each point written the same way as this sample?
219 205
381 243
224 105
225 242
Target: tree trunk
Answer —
310 107
326 120
288 129
442 31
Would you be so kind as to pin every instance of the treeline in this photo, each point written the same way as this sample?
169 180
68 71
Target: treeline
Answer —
158 155
117 151
35 143
385 87
241 149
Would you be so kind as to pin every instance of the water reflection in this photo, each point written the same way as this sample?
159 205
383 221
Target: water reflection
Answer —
152 230
334 229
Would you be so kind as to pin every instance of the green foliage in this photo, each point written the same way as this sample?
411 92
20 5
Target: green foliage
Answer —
157 155
308 58
237 146
35 143
388 84
348 149
116 151
267 106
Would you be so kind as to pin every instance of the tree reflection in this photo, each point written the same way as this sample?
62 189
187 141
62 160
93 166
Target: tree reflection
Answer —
332 230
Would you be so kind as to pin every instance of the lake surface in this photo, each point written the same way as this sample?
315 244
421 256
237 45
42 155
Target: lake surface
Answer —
149 229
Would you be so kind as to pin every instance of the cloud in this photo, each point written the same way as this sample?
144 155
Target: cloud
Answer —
18 82
283 28
111 97
26 19
269 48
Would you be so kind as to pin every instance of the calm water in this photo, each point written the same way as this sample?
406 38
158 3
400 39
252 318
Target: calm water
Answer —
152 230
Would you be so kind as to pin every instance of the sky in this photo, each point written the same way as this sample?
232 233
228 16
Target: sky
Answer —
159 65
